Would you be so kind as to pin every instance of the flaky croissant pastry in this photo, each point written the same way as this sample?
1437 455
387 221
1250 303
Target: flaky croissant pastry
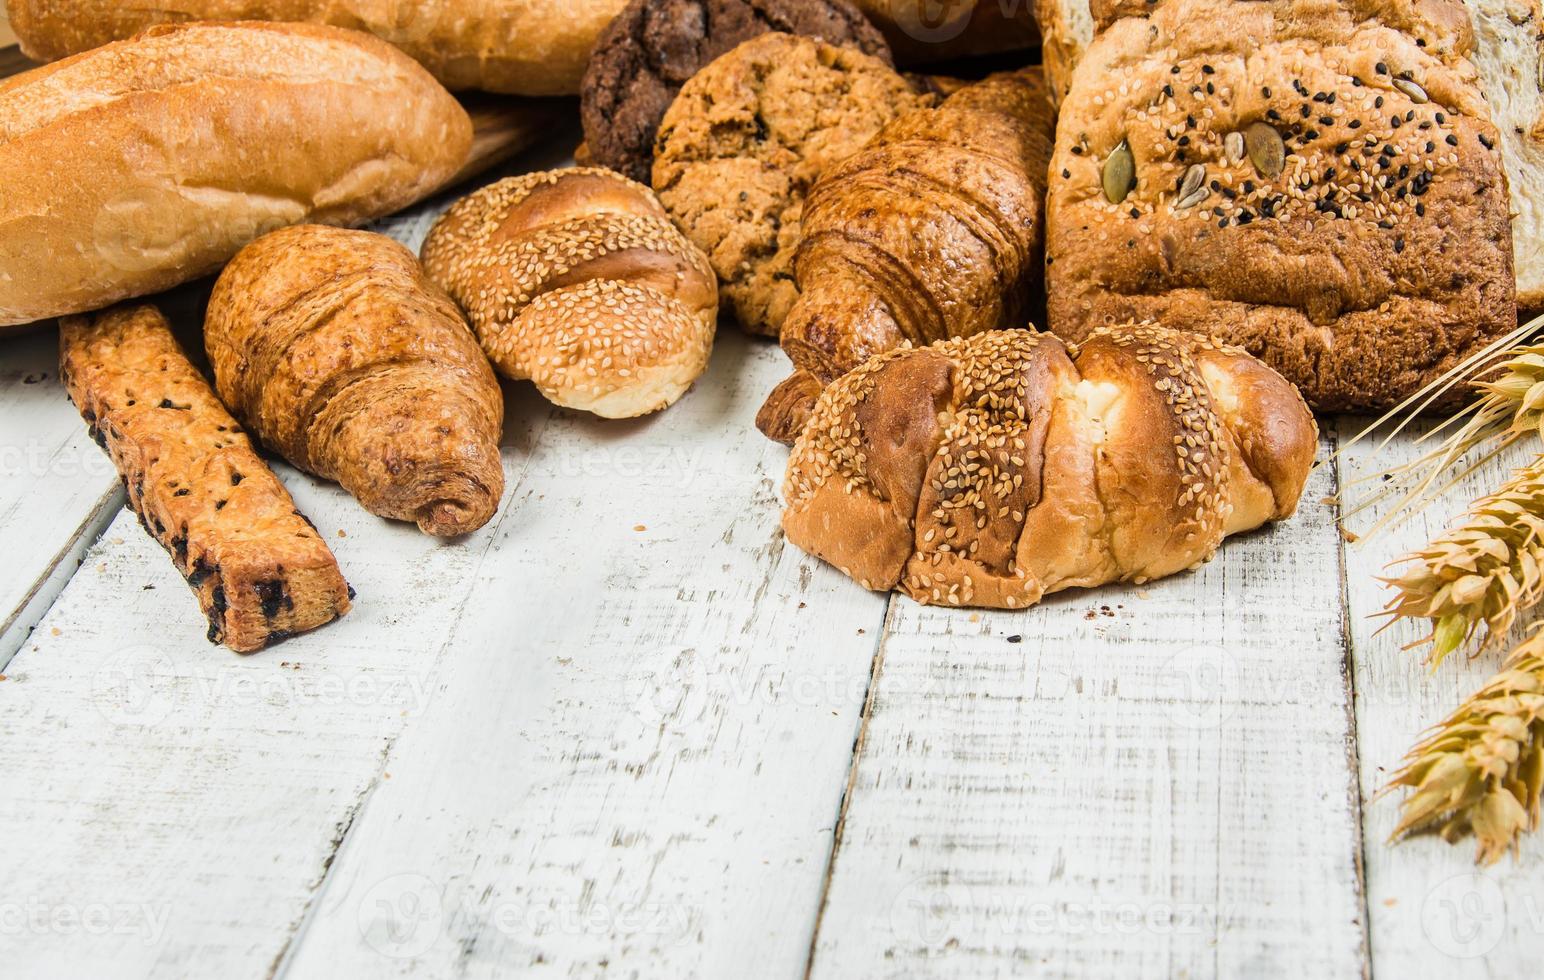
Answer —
993 470
334 349
932 231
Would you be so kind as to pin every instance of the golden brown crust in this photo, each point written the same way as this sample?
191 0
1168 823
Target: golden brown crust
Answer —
1376 258
258 567
336 350
576 280
931 231
521 47
170 168
995 469
744 141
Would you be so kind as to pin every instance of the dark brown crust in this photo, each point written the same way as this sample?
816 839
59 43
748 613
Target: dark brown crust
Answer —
653 47
260 570
1378 259
995 469
340 354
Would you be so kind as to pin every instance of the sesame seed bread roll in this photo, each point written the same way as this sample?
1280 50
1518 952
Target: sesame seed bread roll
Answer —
577 280
519 47
334 349
994 470
259 569
1318 181
150 162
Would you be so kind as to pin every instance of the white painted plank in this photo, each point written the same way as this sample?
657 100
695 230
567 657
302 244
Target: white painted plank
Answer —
636 756
1433 912
192 796
185 801
1152 782
57 489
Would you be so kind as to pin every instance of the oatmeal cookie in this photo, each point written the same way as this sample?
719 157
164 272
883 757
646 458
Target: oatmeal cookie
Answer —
744 141
654 46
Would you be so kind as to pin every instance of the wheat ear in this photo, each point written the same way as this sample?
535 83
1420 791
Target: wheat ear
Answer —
1510 406
1487 569
1480 770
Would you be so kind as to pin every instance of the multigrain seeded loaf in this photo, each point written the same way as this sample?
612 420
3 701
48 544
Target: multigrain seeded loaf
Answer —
1294 176
996 469
258 567
1508 52
137 166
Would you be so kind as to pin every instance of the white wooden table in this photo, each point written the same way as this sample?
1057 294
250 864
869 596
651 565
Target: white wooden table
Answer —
627 731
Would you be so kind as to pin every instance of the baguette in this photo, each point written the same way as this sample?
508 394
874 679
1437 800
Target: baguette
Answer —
260 570
150 162
518 47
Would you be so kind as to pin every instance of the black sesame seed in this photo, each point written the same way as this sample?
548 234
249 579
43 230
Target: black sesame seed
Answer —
1399 245
1208 70
1381 68
1355 124
1326 120
1452 140
1441 117
1487 143
1066 175
1378 102
1265 90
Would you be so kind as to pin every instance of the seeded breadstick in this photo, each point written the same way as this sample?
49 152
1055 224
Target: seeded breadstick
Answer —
260 570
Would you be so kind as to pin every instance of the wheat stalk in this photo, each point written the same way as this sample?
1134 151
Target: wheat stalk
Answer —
1480 770
1510 406
1487 569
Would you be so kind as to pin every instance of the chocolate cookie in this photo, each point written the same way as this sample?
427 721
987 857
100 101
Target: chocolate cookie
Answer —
743 142
653 46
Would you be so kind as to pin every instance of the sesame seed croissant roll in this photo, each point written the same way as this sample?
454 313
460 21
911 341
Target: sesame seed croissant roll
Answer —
334 349
577 280
996 469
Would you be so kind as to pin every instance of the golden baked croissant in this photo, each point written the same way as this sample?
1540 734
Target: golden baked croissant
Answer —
577 280
931 231
992 470
334 349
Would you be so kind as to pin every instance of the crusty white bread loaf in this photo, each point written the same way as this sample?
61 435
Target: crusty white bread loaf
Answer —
149 162
1509 53
996 469
1067 29
521 47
